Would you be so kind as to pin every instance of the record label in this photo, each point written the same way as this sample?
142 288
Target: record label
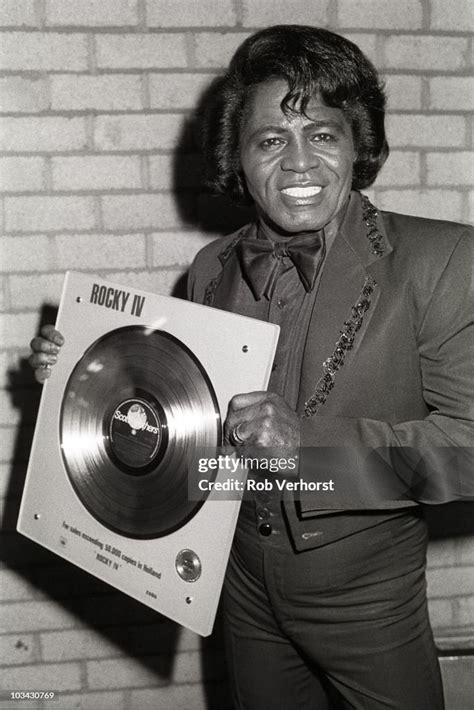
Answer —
136 431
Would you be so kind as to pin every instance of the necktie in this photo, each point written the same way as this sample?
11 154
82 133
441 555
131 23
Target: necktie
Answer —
261 258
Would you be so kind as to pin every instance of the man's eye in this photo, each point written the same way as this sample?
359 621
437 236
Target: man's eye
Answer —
270 143
323 138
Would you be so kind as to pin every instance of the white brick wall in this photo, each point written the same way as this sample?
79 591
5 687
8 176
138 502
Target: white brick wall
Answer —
60 676
22 174
116 251
446 204
451 93
29 214
14 587
96 172
26 253
139 211
140 51
422 130
16 330
214 49
17 652
404 91
462 582
21 95
19 617
24 289
261 14
452 15
428 53
112 92
137 132
92 12
403 168
381 14
28 51
94 100
130 673
190 14
455 168
108 700
177 91
15 13
76 644
42 134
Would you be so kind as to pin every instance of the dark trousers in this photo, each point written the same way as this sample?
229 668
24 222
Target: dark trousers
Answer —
340 626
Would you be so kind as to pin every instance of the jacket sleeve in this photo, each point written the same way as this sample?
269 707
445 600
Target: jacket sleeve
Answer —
429 460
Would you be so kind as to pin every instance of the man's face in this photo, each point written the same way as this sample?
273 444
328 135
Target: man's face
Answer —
298 168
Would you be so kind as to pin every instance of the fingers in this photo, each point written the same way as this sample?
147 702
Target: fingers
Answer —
42 375
45 349
238 413
50 341
261 419
42 360
41 363
242 408
258 414
50 333
240 401
41 345
41 372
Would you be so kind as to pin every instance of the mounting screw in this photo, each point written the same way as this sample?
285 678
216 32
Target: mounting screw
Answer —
79 299
245 348
189 600
37 516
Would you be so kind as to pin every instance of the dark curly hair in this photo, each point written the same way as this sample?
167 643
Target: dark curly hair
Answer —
310 59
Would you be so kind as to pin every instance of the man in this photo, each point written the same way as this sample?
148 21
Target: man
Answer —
322 605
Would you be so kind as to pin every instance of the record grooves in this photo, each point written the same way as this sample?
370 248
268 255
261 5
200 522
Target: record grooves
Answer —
137 407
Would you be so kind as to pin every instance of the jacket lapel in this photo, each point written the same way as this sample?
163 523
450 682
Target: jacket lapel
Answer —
350 277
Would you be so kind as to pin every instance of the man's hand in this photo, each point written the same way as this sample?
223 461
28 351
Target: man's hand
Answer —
45 349
261 419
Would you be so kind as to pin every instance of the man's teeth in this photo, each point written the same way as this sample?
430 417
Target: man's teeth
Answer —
302 191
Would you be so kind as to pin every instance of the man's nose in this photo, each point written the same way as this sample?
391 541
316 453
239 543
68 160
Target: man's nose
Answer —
299 157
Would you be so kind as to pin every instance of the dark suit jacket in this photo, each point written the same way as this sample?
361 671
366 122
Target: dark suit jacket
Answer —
403 402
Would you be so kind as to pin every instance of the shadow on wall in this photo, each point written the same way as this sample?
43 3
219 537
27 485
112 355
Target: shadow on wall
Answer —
197 207
450 520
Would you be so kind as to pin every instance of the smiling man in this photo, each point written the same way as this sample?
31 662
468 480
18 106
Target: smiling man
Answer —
298 167
327 608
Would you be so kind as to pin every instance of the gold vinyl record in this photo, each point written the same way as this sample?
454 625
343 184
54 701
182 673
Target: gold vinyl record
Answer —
136 409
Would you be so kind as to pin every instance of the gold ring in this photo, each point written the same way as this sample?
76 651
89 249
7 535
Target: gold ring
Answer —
235 437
